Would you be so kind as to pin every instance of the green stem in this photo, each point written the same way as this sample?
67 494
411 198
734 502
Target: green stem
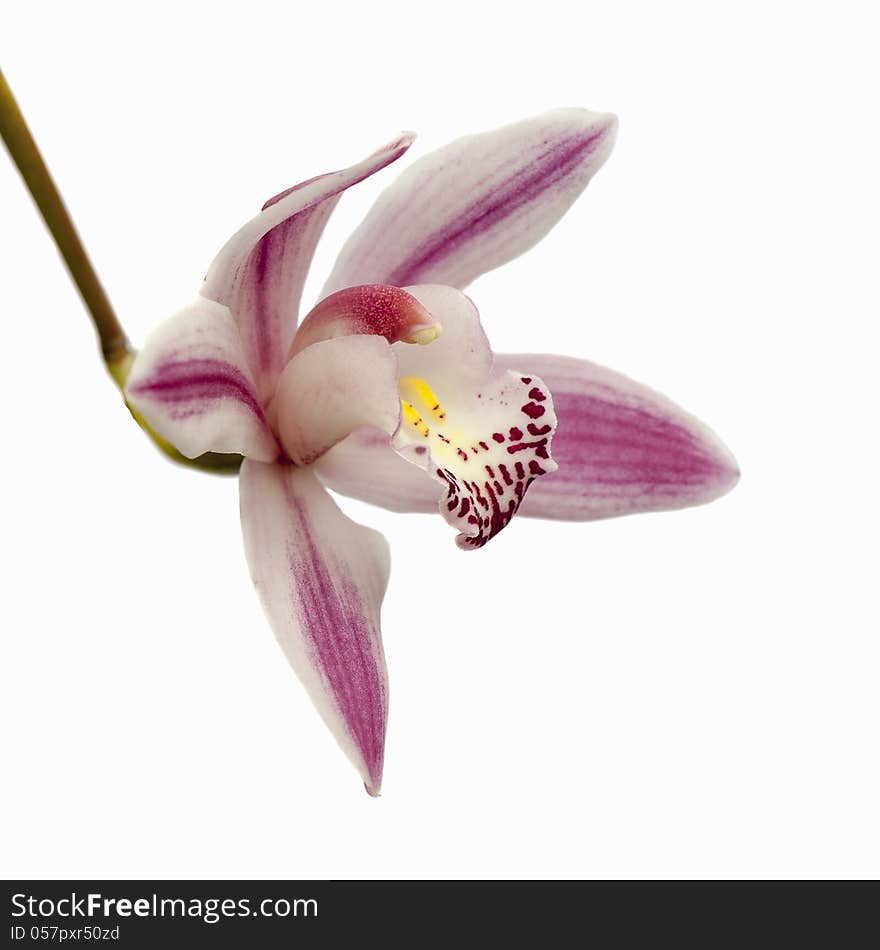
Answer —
117 352
23 149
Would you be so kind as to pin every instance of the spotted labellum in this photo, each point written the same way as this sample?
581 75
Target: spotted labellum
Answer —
388 391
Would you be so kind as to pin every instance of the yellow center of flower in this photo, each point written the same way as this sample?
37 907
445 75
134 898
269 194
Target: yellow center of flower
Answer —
420 405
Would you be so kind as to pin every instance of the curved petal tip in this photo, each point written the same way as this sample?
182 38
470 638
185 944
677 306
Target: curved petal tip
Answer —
726 472
400 143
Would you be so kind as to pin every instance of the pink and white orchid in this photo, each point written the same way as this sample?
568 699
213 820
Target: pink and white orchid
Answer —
388 391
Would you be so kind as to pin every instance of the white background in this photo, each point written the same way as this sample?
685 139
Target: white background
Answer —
681 694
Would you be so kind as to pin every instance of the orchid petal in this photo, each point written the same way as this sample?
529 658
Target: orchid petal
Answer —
621 447
192 384
476 203
483 433
333 387
364 466
260 272
321 579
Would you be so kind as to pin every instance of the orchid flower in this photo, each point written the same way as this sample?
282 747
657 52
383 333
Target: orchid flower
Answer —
388 391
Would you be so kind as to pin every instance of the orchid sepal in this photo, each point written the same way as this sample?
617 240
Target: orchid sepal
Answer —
321 579
476 203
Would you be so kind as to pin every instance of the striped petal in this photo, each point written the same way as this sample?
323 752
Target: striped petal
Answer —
477 203
260 272
321 579
621 448
192 384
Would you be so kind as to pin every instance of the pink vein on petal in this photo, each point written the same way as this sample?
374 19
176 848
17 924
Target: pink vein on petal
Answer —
335 625
274 252
614 445
185 383
547 170
260 272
